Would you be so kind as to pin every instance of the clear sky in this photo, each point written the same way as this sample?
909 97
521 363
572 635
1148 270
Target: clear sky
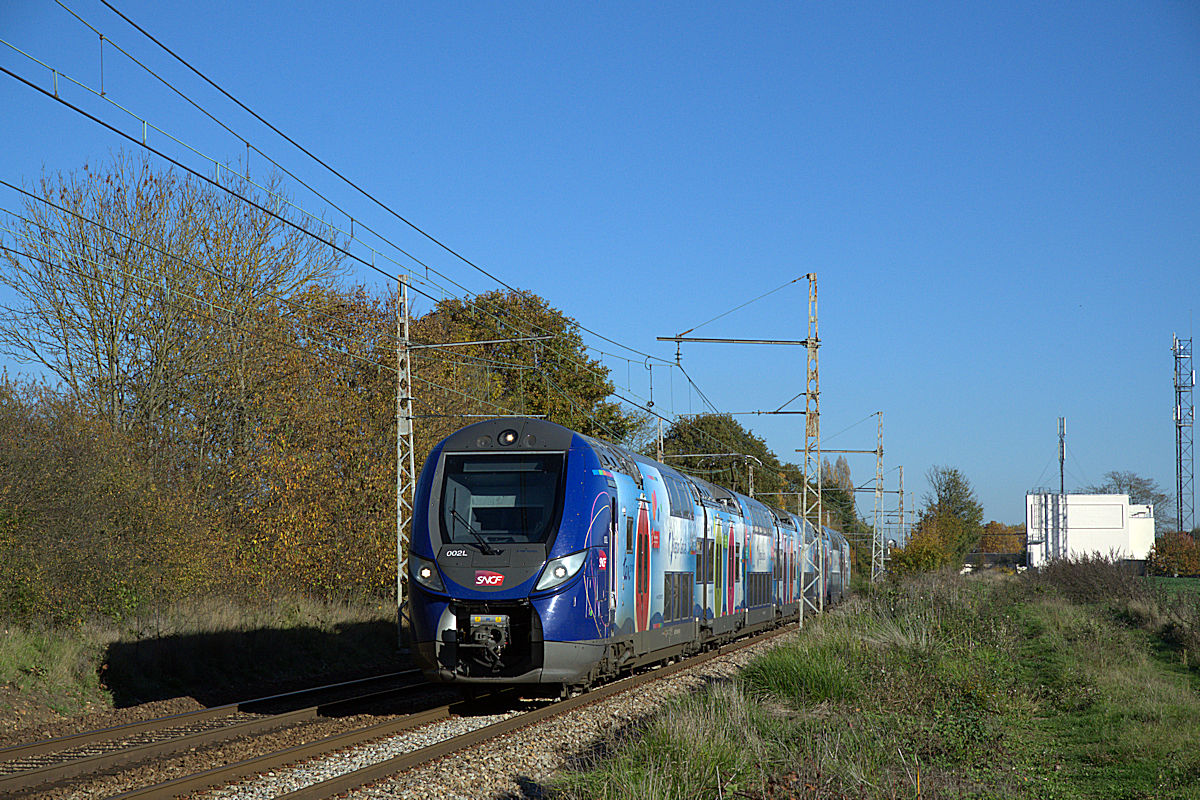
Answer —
1001 201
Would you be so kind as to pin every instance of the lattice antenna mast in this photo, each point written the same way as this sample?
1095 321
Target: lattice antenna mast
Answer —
1185 416
406 476
1062 454
811 473
877 545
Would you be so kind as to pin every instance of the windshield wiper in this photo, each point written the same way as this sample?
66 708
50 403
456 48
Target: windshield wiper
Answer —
487 549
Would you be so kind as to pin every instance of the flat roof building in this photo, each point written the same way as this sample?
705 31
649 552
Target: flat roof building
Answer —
1075 525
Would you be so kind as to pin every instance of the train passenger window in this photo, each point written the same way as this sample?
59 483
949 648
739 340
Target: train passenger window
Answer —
629 534
681 498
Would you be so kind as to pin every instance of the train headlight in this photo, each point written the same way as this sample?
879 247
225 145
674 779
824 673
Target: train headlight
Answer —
425 573
560 570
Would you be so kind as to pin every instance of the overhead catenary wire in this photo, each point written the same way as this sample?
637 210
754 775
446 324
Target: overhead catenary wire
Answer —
286 201
289 203
342 177
217 184
743 305
257 334
341 250
176 306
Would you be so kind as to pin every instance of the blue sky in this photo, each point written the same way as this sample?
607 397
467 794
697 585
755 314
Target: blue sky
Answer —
1001 201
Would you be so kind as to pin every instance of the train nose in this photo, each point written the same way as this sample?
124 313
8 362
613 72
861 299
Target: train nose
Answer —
504 567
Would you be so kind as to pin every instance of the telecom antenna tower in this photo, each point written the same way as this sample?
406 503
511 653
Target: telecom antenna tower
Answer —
1185 415
877 544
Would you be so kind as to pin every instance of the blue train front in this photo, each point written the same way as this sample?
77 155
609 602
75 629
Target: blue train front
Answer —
540 555
508 556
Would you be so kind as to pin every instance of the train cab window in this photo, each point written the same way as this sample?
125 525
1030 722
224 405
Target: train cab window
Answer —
496 499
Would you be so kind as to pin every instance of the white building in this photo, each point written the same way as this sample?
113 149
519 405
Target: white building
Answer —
1073 525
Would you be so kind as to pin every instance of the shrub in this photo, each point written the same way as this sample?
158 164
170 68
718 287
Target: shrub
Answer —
1175 554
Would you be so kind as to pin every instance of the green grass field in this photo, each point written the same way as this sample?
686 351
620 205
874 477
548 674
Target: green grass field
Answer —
1076 684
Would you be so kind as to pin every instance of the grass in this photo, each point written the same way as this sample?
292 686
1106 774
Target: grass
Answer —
56 670
213 649
1071 684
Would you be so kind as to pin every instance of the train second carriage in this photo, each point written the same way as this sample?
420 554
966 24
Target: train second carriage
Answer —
540 555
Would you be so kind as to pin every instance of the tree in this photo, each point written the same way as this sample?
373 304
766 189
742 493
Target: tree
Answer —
1000 538
135 286
555 377
734 452
952 496
949 526
314 499
1142 491
85 526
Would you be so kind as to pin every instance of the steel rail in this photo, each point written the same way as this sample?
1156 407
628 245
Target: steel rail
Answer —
99 735
26 779
231 772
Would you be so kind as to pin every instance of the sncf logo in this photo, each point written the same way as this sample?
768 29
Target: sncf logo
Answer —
485 577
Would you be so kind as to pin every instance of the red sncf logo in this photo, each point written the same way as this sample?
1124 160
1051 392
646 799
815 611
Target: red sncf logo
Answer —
485 577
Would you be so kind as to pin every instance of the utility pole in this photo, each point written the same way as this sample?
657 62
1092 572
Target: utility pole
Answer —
812 442
811 503
901 537
1062 454
406 477
877 545
1185 416
877 540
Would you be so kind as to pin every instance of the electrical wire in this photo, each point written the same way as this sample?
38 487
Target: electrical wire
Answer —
342 177
332 245
743 305
286 201
178 307
843 430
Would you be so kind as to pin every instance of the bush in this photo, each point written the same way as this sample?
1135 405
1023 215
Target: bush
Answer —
86 529
923 553
1175 554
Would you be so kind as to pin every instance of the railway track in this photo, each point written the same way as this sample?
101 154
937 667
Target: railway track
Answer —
24 768
417 756
71 759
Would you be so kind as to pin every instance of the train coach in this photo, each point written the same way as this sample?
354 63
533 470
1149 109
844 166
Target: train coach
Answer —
541 555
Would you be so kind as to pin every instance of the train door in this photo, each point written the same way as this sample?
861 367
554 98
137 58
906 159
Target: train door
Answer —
787 569
705 566
731 574
614 551
641 568
718 569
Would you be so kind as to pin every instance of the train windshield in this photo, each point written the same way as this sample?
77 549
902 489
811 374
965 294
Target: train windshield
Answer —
489 499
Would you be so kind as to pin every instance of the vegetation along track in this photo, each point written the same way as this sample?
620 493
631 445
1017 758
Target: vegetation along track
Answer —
24 768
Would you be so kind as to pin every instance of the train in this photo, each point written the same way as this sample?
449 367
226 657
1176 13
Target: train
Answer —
540 555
